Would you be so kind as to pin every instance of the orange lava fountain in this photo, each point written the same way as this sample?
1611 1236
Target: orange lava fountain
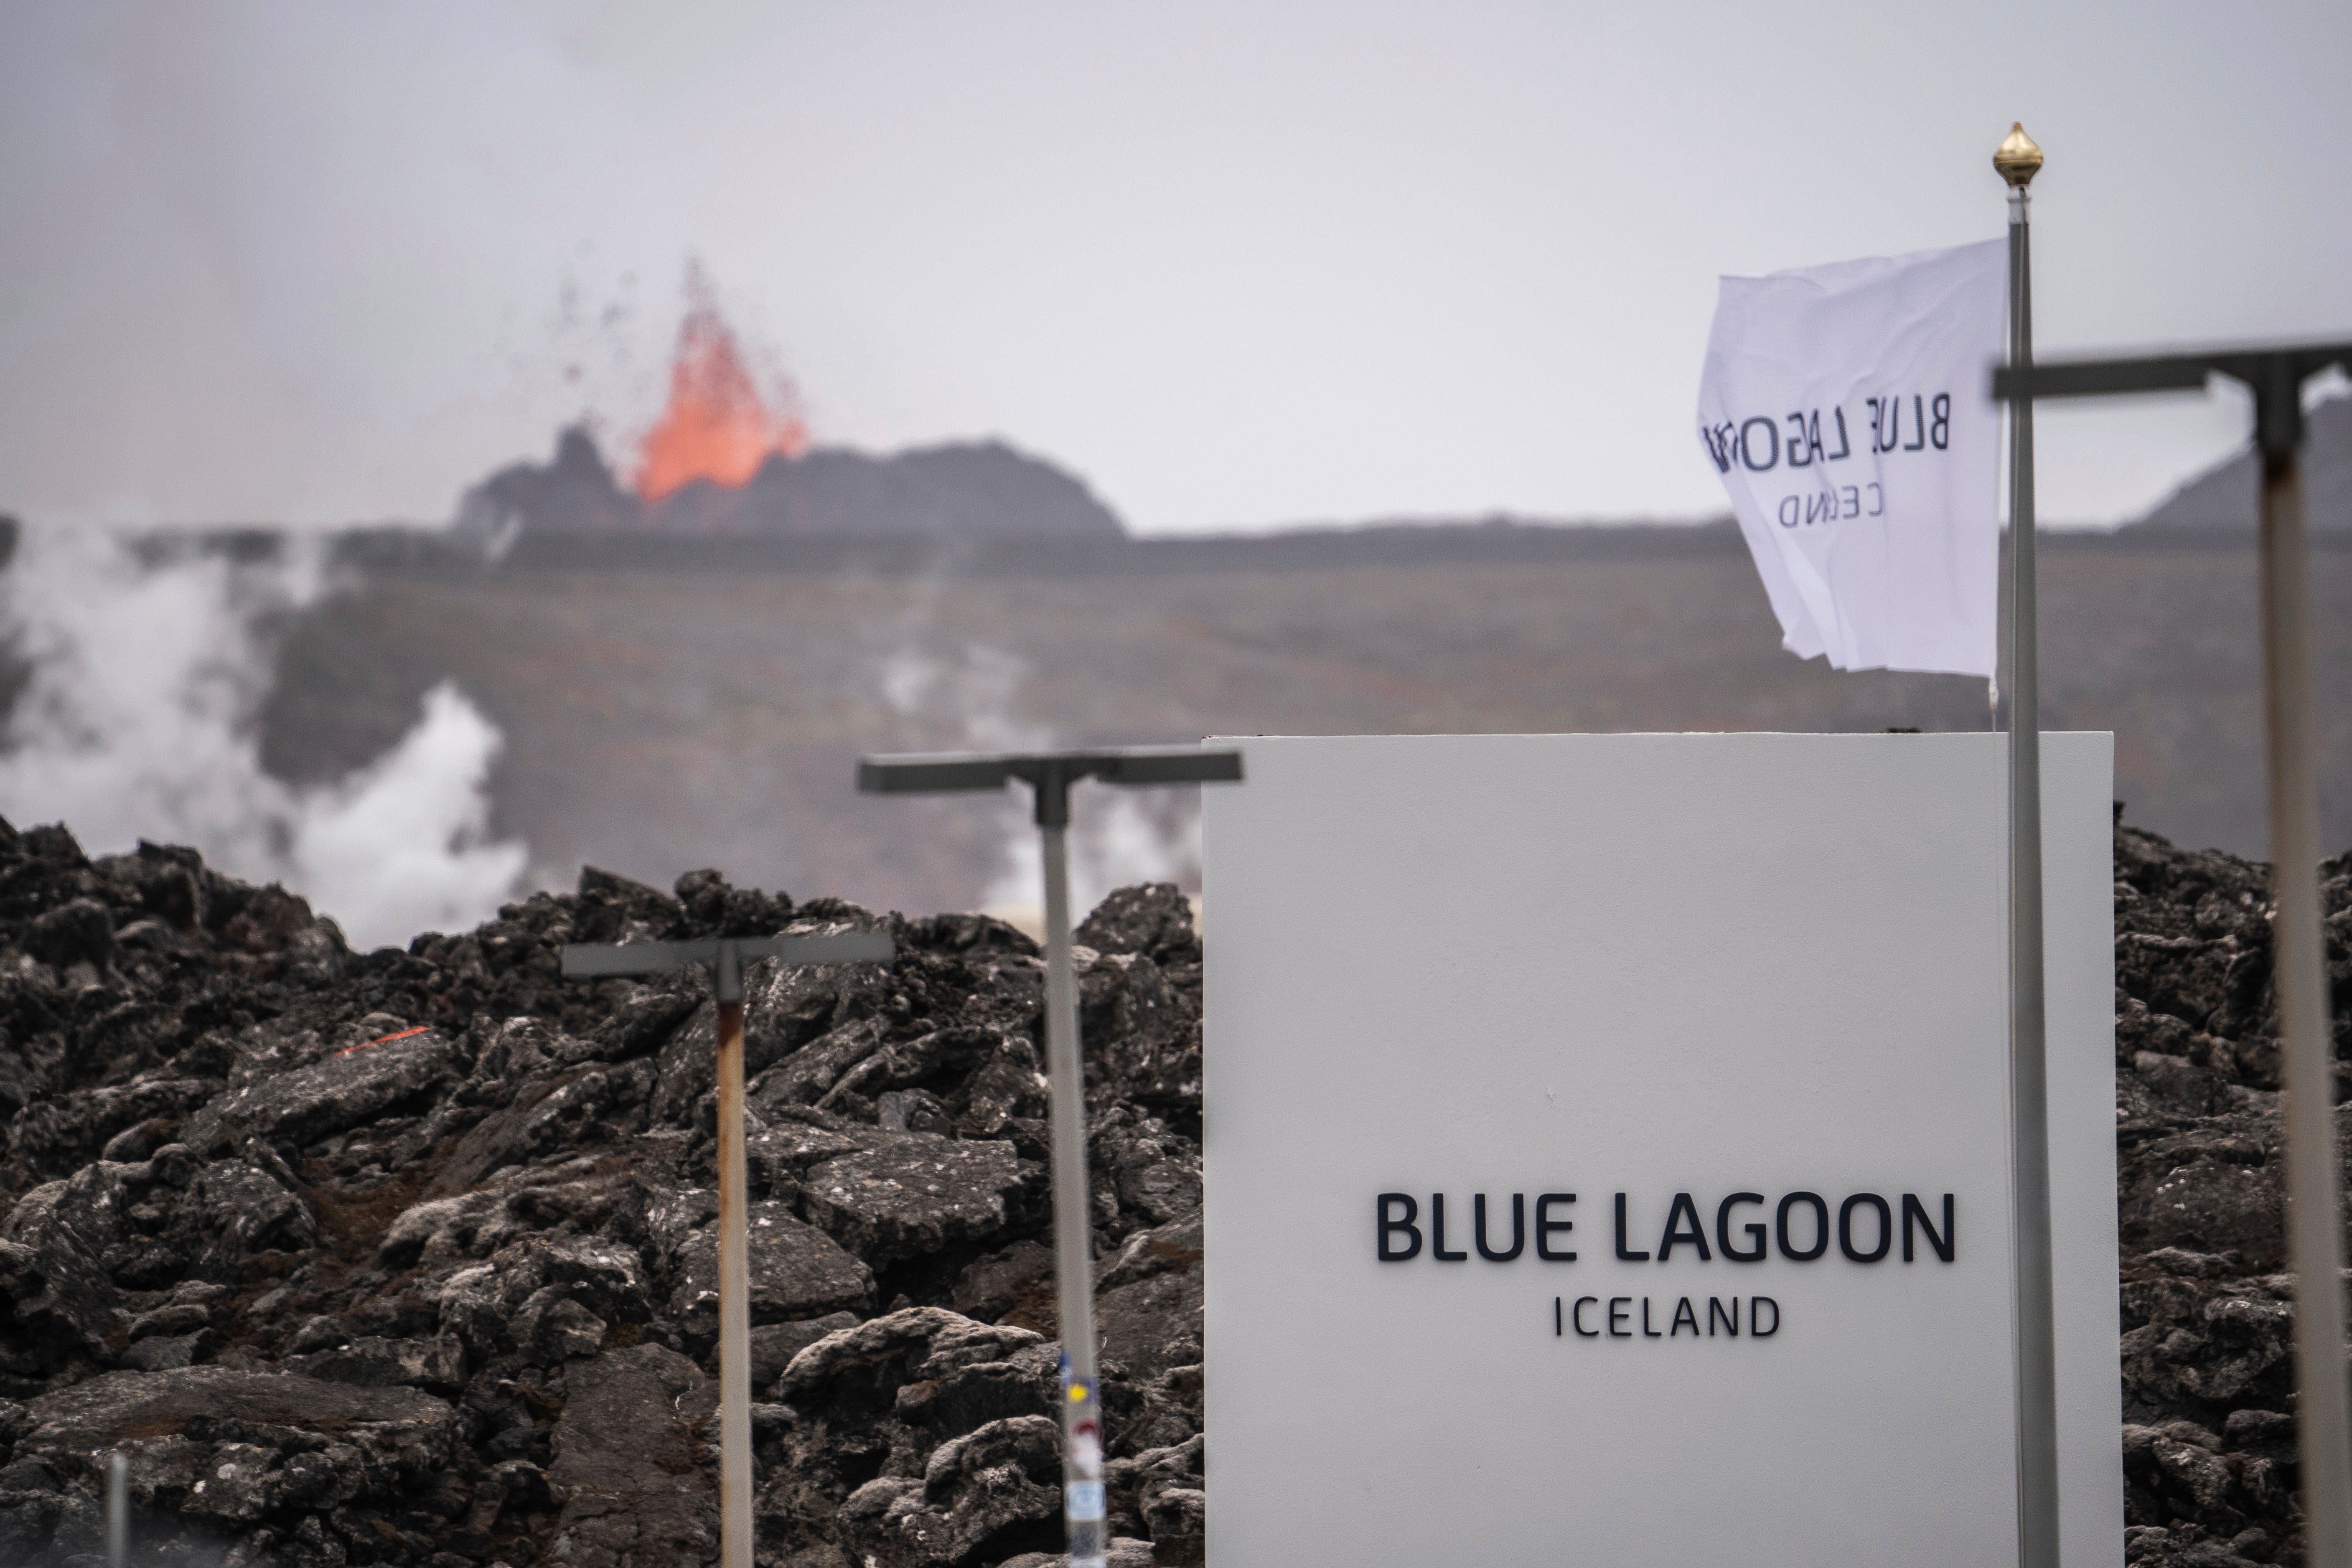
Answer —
716 426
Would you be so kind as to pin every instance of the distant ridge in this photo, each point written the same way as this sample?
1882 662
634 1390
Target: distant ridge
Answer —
2228 494
966 491
401 549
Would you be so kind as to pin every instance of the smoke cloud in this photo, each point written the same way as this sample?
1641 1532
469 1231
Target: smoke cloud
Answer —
141 677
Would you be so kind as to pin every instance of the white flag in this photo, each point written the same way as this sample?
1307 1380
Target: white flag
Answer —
1849 410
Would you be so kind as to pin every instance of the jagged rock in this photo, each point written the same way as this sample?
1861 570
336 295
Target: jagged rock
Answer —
796 1271
777 1157
1151 1048
606 1277
239 1208
50 1248
910 1062
87 1416
1125 1551
917 1194
164 1352
189 1309
1154 919
1148 1304
774 1345
1161 1491
551 1112
960 1414
545 1299
348 1087
994 1490
514 1204
79 931
630 1468
1144 1173
863 1370
378 1362
125 1123
1014 1285
27 1519
215 1450
790 1014
1178 1519
811 1073
550 1327
2208 1320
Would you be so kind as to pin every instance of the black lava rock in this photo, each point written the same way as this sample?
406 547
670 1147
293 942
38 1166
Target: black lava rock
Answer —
407 1258
2207 1306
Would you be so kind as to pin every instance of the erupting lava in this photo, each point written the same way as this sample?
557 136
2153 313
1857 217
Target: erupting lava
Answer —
716 426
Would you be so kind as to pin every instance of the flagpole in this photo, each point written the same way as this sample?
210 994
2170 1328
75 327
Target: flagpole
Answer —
2018 159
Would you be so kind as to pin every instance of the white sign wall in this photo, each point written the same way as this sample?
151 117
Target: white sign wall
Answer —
1749 991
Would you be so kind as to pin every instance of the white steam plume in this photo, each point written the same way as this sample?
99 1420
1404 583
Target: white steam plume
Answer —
1117 837
138 720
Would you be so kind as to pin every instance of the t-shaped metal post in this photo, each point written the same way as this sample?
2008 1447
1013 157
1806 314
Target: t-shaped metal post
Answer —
1050 775
727 956
2315 1239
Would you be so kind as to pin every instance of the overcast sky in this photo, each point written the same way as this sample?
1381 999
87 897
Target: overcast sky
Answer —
1238 264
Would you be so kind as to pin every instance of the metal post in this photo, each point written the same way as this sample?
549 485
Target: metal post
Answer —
1082 1451
734 1277
1050 775
118 1510
2275 375
2315 1230
2037 1356
727 956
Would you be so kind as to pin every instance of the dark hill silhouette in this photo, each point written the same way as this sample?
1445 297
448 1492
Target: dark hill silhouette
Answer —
982 489
2227 495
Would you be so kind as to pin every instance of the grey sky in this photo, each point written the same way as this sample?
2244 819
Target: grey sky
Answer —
1237 264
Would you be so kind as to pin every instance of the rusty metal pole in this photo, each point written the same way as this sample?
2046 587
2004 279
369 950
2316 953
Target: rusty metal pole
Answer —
734 1277
2315 1227
727 956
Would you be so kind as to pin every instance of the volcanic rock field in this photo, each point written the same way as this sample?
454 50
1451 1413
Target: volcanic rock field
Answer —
407 1258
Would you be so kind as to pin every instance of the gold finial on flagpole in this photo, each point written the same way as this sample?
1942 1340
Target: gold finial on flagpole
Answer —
2018 158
